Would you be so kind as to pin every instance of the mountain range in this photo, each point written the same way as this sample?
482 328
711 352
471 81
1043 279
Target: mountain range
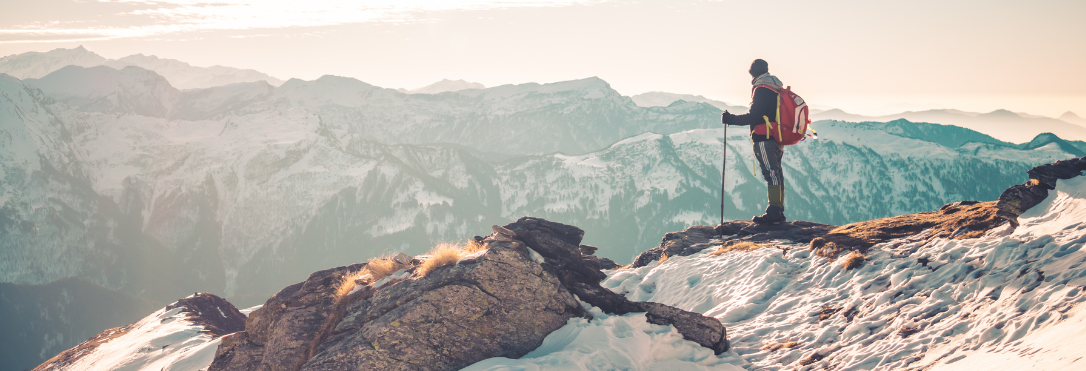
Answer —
32 65
118 177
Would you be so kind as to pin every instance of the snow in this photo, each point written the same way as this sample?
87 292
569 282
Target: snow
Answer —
1046 350
609 342
399 275
1008 300
165 340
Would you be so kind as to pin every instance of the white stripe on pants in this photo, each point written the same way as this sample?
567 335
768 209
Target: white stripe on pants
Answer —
769 153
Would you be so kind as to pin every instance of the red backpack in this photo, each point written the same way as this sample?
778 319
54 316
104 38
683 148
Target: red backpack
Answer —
791 124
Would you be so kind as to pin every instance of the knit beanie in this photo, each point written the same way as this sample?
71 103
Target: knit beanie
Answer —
758 68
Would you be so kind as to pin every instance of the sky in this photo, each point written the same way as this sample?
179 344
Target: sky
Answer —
867 57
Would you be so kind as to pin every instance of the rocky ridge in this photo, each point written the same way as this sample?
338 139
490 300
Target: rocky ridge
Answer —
957 220
1019 198
499 302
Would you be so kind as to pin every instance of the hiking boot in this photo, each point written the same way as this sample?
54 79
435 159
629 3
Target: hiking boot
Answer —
773 215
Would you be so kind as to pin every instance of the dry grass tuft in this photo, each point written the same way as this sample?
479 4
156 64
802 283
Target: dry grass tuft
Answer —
374 270
445 254
854 260
348 283
827 312
474 246
826 249
382 267
663 258
739 246
773 346
809 360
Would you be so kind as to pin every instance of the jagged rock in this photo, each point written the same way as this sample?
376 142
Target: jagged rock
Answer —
498 304
588 249
706 331
401 258
237 352
700 237
282 332
1017 199
564 259
215 314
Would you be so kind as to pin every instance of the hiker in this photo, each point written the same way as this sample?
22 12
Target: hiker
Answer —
766 150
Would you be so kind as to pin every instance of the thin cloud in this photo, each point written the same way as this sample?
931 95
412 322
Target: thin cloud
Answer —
155 18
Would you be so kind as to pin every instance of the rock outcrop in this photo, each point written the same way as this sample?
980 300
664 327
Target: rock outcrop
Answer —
215 314
700 237
1017 199
280 335
499 302
958 220
558 244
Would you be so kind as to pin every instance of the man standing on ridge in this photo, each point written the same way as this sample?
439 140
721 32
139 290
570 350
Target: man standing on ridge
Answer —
766 150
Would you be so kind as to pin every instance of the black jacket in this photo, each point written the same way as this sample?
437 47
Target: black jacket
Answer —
765 104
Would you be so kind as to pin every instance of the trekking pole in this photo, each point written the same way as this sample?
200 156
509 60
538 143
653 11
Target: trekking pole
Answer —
723 176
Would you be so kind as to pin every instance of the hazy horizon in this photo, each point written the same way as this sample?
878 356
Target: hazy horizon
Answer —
860 57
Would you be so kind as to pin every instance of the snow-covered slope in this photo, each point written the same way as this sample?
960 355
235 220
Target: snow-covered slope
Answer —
32 65
182 336
104 89
1007 300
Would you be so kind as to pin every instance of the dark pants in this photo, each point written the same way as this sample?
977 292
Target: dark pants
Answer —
769 153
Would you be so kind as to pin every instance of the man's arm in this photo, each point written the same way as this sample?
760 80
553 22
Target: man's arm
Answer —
764 103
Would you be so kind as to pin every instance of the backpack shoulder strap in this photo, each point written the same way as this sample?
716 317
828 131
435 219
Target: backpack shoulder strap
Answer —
770 87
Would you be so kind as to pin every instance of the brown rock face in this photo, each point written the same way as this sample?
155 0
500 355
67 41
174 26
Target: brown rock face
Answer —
1017 199
496 303
278 336
215 314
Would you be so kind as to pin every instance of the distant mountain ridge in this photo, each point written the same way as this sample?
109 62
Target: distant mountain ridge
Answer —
444 85
662 99
1002 124
1073 118
32 65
